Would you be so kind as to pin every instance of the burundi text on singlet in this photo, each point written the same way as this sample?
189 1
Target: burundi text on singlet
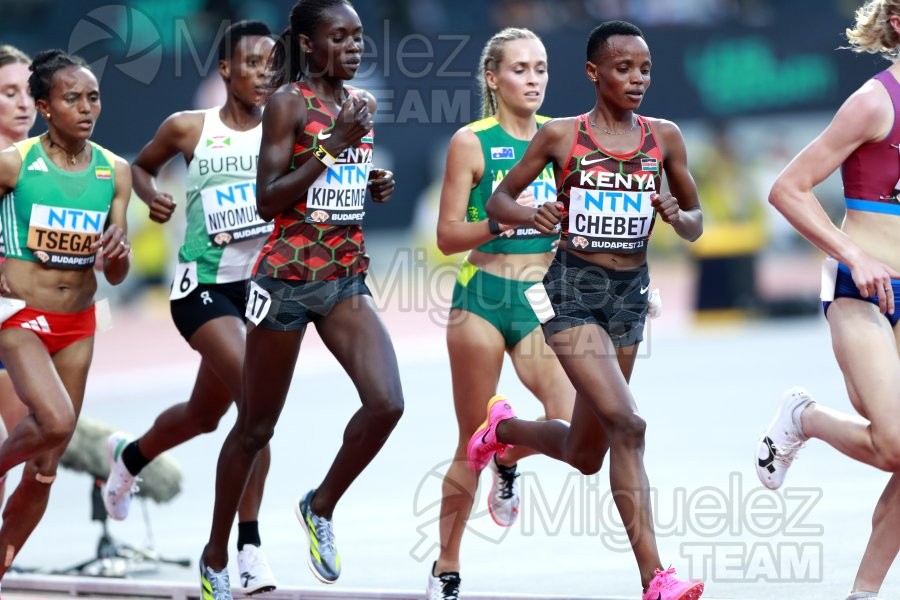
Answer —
224 231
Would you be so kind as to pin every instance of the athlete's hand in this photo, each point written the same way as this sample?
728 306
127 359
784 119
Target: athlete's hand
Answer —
547 217
381 184
4 283
114 244
161 207
666 206
872 277
351 124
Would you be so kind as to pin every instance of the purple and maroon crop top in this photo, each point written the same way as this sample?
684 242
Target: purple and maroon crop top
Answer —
871 172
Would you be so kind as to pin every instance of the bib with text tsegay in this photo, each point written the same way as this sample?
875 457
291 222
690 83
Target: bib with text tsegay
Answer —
229 211
62 237
338 195
608 195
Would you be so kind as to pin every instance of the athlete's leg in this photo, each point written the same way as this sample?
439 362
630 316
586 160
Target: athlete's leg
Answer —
51 418
220 343
884 542
476 357
539 370
866 350
355 335
269 363
12 410
28 502
601 378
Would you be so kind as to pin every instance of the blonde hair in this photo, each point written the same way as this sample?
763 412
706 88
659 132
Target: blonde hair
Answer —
10 55
491 57
873 32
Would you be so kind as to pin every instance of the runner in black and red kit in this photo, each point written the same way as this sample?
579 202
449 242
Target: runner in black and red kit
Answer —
315 165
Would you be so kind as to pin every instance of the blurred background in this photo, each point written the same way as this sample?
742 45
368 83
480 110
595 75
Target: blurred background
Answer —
749 82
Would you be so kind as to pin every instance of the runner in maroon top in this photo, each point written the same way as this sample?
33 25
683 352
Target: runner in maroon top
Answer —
594 299
315 167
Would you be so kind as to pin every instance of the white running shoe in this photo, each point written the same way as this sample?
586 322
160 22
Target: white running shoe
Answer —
863 596
503 501
121 486
778 446
442 587
256 576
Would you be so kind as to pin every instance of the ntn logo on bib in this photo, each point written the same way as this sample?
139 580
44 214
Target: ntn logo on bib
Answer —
63 237
230 213
609 220
338 195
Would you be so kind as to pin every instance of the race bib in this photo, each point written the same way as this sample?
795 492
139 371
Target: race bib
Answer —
229 212
62 237
609 220
540 302
537 193
338 195
102 315
829 279
258 304
185 280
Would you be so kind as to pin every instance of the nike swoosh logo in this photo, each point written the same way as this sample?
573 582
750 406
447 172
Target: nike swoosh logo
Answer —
767 462
324 136
644 289
585 162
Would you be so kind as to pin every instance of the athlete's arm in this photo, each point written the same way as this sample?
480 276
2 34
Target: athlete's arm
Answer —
866 116
178 134
544 148
681 206
10 165
278 187
114 241
462 172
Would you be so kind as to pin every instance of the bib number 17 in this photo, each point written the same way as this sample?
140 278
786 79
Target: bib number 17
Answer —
258 304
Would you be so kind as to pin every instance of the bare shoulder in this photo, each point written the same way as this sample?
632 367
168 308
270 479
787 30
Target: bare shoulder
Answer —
665 128
284 101
465 139
185 122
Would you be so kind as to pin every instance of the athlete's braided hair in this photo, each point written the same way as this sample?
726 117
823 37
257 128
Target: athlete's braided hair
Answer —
10 55
288 61
873 32
604 31
44 67
491 57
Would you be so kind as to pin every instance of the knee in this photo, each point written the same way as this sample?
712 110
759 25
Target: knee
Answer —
588 461
628 430
207 423
58 427
255 436
387 409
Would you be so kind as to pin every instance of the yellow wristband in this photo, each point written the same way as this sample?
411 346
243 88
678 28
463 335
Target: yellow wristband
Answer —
324 157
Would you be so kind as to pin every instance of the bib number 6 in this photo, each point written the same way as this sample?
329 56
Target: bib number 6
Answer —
185 280
258 304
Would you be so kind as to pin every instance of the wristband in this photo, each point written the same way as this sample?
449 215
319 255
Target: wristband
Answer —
493 227
324 156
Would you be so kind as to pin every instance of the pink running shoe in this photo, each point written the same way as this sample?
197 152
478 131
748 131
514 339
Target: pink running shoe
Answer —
664 586
483 443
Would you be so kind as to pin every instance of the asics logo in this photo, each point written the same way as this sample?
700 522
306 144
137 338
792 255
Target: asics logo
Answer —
766 463
585 162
